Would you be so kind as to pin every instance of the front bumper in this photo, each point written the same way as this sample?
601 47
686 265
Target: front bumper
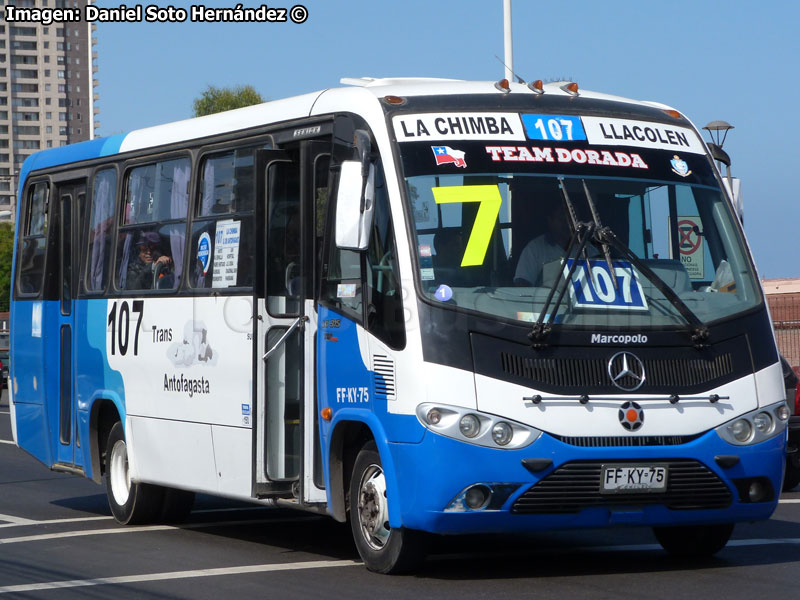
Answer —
427 485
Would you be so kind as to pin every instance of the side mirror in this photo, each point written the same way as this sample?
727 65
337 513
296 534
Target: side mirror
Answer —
718 154
355 204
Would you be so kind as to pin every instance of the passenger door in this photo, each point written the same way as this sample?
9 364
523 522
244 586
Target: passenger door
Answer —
286 434
70 203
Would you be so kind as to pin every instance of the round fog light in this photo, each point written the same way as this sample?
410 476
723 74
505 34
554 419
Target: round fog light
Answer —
756 491
741 430
502 433
763 422
434 416
469 425
477 497
783 412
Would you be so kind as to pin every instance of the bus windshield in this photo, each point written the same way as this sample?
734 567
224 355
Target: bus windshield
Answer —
499 243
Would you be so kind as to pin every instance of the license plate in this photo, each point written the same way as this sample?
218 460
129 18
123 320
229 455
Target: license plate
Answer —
622 479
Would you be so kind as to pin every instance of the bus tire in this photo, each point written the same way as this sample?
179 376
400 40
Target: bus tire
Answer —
176 505
131 503
383 550
694 540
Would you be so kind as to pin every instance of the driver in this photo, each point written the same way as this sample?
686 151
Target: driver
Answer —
549 246
149 259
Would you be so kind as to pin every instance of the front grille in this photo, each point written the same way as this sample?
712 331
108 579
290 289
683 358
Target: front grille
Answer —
628 441
576 486
581 374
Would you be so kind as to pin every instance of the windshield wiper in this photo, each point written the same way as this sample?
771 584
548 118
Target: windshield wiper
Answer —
581 235
606 237
699 332
598 225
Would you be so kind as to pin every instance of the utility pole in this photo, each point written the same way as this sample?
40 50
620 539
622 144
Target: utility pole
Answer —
509 50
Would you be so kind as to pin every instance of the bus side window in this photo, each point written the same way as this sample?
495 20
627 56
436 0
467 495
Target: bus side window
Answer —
385 297
341 285
101 226
34 240
151 241
223 234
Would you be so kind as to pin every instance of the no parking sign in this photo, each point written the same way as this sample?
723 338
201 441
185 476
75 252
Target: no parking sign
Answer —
690 246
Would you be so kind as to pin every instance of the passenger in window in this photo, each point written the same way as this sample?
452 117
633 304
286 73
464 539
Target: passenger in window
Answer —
151 267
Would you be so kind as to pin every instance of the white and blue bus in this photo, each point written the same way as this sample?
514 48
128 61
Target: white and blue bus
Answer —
428 306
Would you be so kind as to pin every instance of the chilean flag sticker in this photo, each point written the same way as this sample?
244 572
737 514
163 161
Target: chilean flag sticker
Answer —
446 155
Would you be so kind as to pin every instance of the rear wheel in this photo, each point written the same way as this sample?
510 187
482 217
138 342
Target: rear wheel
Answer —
694 540
383 549
130 502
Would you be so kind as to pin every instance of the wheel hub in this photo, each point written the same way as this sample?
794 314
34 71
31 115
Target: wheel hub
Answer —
373 511
118 473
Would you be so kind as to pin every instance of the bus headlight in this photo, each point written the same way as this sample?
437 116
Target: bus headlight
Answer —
475 427
502 433
754 427
469 425
763 422
434 416
741 430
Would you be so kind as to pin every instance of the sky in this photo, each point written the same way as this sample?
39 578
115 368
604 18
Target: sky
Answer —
731 60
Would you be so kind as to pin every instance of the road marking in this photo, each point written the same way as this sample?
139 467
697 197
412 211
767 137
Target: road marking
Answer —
17 520
297 566
51 521
123 529
128 579
789 501
5 412
6 442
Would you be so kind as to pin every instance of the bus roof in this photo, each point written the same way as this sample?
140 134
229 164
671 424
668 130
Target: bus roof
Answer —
367 88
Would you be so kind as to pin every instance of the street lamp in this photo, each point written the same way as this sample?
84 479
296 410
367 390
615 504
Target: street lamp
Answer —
718 132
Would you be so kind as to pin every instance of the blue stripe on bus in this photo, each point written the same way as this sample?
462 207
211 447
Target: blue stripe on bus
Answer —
71 154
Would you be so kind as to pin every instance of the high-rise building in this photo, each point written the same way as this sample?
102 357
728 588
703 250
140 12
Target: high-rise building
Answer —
47 85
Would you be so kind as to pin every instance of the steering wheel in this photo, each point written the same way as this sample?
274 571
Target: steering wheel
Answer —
161 271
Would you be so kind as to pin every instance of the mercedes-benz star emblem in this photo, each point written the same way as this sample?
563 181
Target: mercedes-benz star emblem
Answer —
626 371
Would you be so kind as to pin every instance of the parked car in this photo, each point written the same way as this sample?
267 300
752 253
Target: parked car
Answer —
792 384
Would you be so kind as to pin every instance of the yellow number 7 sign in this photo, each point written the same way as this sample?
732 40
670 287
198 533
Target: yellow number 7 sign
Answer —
490 200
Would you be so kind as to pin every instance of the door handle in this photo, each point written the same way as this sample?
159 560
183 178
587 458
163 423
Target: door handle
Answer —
299 322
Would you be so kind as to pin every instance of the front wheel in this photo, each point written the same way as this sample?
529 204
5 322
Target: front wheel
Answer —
694 540
383 549
792 476
131 503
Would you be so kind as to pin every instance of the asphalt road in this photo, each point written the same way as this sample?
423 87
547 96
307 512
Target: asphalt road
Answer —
57 540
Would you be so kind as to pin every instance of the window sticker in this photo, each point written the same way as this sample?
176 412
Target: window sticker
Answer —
346 290
679 166
691 247
445 155
458 126
490 200
602 131
565 155
443 293
592 285
426 274
559 128
204 251
226 253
